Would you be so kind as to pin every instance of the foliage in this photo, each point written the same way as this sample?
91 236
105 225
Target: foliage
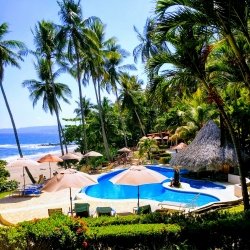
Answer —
6 185
157 230
146 236
146 145
56 232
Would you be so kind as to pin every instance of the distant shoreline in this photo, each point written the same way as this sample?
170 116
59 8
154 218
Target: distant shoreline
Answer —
34 130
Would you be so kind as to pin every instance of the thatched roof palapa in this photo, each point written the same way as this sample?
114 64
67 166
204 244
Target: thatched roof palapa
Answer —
205 152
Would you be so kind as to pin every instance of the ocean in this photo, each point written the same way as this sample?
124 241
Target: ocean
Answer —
33 145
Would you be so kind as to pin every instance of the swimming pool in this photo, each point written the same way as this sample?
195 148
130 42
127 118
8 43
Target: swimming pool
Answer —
107 190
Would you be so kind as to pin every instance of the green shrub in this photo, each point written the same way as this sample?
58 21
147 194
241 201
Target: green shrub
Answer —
165 160
143 236
56 232
6 185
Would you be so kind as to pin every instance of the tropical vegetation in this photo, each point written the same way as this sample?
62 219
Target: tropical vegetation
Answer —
196 56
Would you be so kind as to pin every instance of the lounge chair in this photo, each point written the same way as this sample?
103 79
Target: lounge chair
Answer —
81 209
144 209
103 211
31 191
52 211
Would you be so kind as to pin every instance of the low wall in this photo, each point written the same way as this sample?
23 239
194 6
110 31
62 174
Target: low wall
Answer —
234 179
237 190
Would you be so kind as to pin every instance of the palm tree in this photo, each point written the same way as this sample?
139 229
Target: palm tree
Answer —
225 17
46 90
77 37
86 104
114 68
147 47
146 145
130 94
94 67
191 50
46 47
9 57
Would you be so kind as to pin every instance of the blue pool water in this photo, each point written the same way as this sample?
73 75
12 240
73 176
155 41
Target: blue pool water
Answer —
107 190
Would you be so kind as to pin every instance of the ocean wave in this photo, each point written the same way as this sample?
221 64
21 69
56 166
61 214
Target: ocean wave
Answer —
36 156
28 146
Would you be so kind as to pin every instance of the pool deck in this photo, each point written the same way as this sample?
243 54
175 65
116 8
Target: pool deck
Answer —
18 209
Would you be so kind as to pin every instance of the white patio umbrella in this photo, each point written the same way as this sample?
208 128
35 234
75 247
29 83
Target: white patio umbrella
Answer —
23 162
92 154
70 156
124 150
136 176
68 178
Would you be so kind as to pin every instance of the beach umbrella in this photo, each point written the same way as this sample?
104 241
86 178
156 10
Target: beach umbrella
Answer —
23 162
92 154
136 176
70 156
124 150
68 178
50 158
157 138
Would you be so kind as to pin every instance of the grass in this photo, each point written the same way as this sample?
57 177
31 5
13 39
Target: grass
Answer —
234 209
4 194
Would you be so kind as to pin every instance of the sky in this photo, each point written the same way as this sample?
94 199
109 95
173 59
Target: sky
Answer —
119 16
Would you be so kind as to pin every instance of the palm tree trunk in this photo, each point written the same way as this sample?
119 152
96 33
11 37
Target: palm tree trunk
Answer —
217 99
98 99
142 129
58 122
12 120
121 119
55 105
63 136
80 97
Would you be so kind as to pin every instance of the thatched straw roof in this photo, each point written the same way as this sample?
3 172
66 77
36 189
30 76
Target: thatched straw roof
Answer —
205 152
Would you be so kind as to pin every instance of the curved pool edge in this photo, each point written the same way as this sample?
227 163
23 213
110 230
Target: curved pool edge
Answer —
189 189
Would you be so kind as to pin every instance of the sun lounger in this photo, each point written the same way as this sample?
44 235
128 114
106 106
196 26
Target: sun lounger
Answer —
146 209
31 191
52 211
81 209
104 211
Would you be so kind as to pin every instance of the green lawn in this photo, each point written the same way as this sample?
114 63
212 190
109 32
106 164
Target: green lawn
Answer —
4 194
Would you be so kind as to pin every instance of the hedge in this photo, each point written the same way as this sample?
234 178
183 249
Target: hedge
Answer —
214 230
144 236
56 232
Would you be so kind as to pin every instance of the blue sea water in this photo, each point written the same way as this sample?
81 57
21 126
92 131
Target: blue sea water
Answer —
33 145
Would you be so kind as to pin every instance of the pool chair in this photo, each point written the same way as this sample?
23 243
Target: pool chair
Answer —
52 211
81 209
143 209
100 211
31 191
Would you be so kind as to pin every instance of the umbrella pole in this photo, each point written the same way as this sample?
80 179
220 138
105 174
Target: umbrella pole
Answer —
23 180
138 202
49 171
71 207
